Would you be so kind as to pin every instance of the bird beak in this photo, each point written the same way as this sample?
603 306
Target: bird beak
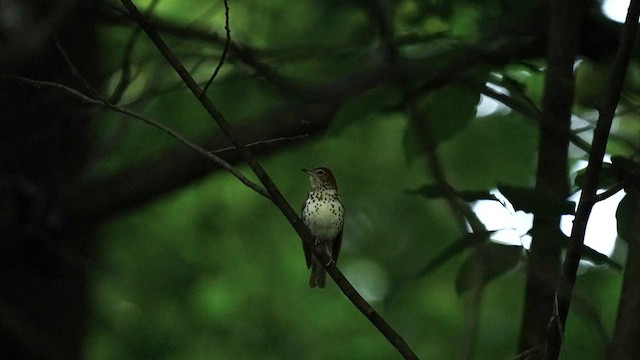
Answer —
307 171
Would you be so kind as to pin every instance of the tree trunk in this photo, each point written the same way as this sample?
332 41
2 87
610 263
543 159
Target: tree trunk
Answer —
44 143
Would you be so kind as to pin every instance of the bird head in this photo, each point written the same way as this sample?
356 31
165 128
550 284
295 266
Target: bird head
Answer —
321 177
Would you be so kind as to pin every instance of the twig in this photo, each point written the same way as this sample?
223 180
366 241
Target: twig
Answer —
598 148
464 213
531 112
528 353
608 193
125 76
264 142
180 138
276 197
224 51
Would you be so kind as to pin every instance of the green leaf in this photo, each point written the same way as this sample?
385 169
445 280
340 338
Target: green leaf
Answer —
537 202
454 249
446 111
430 191
411 143
449 110
625 215
369 104
517 92
493 258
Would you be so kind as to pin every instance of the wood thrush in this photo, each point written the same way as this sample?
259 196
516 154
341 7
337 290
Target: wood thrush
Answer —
323 214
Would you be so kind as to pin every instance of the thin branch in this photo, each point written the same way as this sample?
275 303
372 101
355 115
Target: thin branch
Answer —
531 112
125 76
224 51
601 133
102 101
264 142
276 197
180 138
608 193
462 211
179 166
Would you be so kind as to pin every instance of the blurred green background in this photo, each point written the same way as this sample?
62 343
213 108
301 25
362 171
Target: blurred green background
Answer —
213 270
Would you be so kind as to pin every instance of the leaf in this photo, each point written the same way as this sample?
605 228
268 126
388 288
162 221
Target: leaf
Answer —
446 112
607 178
625 216
627 171
454 249
598 258
433 191
554 234
430 191
365 106
537 202
411 143
517 91
476 195
449 110
495 260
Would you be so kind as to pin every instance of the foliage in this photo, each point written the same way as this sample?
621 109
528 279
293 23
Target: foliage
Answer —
212 271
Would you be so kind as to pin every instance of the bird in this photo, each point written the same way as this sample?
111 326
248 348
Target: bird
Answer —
323 213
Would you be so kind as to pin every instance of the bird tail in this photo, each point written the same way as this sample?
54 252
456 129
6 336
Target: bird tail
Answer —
318 274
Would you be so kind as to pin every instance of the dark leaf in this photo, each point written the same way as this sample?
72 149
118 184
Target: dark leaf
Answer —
431 191
371 103
607 178
449 110
537 202
411 143
486 263
598 258
454 249
554 234
517 92
625 215
471 195
626 171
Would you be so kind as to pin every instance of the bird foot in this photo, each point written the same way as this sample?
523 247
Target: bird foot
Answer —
329 263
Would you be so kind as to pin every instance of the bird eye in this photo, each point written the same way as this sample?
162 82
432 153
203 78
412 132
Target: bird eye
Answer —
320 172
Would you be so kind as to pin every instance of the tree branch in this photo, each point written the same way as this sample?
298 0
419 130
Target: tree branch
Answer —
276 197
224 51
462 211
180 138
551 172
567 281
102 198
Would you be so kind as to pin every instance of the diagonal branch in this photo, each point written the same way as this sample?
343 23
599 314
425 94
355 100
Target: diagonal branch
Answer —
180 166
180 138
276 197
588 197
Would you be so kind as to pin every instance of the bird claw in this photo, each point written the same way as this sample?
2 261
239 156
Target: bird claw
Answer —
329 263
